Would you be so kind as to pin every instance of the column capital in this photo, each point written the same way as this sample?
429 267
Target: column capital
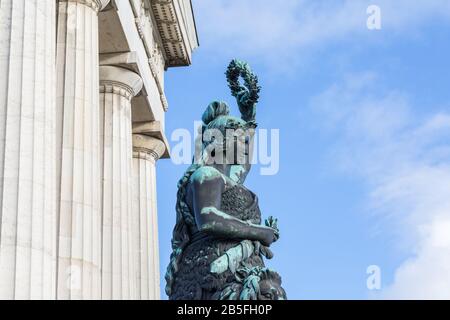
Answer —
148 148
97 5
120 81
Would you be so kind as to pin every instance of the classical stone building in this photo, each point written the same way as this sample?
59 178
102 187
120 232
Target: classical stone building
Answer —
82 110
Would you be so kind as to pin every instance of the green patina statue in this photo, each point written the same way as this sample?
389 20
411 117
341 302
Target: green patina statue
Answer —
218 240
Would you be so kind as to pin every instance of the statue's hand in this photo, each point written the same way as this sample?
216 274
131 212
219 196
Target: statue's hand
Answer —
271 232
246 107
272 223
270 235
242 100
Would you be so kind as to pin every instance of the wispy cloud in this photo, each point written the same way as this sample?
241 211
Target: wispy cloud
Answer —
405 160
283 33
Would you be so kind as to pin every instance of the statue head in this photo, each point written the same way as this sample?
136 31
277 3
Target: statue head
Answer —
255 283
270 286
225 139
261 284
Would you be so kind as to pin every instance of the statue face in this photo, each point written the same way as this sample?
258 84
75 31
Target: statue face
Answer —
238 145
229 141
270 289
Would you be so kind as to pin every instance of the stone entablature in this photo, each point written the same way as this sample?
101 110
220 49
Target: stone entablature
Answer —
146 27
148 36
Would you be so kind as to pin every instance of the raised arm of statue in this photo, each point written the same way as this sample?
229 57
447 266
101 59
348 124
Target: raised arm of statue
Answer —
208 185
247 95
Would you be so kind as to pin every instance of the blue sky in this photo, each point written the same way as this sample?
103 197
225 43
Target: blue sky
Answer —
364 120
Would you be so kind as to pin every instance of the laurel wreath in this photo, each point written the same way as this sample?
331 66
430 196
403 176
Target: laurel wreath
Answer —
238 69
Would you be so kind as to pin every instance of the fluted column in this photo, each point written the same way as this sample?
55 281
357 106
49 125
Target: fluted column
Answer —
27 148
79 249
117 87
146 152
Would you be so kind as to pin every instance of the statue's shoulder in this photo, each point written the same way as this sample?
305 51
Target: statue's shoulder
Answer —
207 174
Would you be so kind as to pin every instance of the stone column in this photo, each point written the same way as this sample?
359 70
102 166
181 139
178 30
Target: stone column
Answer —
27 148
146 152
78 135
117 87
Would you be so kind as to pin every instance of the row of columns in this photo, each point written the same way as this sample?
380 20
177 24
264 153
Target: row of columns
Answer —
77 188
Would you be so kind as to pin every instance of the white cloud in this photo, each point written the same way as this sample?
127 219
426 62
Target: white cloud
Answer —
405 160
284 33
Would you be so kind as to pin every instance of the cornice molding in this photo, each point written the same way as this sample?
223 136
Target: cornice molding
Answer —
176 44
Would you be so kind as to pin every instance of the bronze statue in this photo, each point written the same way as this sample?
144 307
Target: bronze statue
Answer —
218 240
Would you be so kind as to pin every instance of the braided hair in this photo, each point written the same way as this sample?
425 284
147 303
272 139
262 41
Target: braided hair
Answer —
214 117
